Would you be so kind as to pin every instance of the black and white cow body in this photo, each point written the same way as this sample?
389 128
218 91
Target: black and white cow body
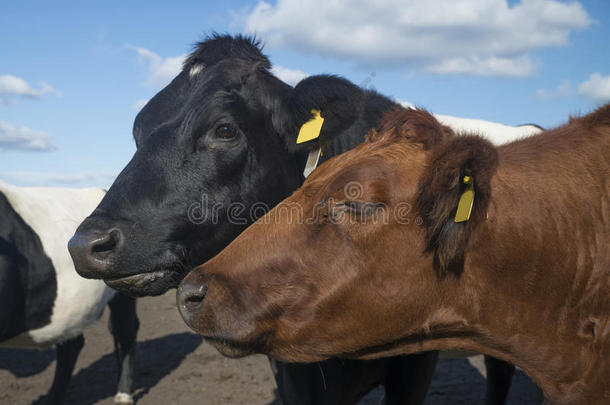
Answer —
43 301
224 132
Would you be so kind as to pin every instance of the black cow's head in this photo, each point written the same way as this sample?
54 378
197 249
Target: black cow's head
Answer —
215 149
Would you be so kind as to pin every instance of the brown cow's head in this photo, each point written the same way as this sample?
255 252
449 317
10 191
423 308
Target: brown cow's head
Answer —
360 257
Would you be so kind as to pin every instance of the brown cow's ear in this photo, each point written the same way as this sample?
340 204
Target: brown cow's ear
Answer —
461 164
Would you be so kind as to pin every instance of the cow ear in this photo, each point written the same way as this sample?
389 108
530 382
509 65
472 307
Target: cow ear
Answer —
453 197
331 104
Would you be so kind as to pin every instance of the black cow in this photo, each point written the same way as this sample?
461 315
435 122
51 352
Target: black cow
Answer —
43 301
224 132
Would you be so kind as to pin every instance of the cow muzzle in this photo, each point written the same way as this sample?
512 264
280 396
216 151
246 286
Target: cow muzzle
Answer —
93 250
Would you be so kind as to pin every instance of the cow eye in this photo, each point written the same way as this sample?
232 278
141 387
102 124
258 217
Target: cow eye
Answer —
225 132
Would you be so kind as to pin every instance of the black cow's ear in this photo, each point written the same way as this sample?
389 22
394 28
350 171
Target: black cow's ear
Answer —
453 197
337 101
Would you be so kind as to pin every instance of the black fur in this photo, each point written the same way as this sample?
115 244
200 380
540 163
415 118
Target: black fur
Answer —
123 325
28 286
217 47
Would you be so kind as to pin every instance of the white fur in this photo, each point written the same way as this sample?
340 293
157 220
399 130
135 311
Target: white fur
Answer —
195 70
54 214
494 132
123 398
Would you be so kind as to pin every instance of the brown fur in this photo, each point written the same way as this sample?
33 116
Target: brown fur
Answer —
415 125
439 191
530 285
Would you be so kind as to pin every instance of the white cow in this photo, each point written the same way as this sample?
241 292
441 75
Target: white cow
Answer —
44 301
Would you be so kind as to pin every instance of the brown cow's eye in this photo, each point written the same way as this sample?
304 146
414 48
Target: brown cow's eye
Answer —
225 132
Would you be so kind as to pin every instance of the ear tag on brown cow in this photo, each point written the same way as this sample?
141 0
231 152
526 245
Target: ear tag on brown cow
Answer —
312 161
311 129
466 202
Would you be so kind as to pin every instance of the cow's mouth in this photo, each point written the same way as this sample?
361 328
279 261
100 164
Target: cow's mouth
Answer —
146 284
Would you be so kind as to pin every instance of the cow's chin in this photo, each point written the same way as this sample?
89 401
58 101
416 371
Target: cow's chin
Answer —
146 284
229 348
235 348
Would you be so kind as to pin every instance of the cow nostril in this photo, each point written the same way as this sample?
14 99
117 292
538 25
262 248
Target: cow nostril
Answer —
92 249
191 298
105 246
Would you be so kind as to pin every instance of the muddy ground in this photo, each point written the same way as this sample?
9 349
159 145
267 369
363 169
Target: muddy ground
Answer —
176 367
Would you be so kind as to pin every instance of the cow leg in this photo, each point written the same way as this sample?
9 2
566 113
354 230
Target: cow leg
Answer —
408 378
124 326
499 377
67 353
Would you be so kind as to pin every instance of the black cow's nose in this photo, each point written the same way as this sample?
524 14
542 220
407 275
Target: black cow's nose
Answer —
190 296
92 250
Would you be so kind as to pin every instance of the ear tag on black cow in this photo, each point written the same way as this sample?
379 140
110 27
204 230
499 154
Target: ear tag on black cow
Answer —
466 202
312 161
311 129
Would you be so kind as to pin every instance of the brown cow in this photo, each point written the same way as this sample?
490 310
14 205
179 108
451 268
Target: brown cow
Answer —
344 267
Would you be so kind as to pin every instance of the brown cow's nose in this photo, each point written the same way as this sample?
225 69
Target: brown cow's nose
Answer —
92 251
190 296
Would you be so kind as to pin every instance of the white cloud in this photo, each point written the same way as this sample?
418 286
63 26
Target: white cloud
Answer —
13 87
563 89
161 70
58 179
486 66
140 103
477 37
290 76
13 137
596 87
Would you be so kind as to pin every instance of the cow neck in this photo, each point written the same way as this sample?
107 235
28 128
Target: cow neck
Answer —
539 299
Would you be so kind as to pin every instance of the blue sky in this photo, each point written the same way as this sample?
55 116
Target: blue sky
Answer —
72 74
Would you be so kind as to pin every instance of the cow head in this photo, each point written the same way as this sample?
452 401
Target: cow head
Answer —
354 259
215 149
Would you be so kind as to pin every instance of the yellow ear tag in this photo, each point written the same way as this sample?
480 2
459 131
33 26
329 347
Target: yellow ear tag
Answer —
464 207
311 129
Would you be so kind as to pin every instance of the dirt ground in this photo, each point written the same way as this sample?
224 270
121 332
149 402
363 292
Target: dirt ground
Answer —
174 366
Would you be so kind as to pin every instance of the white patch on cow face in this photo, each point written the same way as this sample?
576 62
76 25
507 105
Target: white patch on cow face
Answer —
54 214
195 70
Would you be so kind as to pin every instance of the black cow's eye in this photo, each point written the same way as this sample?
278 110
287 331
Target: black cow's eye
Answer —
225 132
